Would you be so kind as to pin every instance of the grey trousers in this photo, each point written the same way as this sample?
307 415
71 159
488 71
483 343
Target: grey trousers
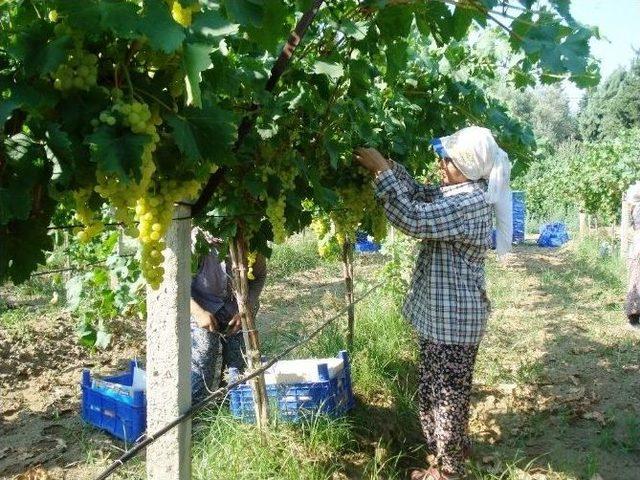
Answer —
210 354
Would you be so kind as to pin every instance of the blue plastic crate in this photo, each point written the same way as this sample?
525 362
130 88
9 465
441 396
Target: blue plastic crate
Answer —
364 245
293 402
367 247
519 209
519 216
113 405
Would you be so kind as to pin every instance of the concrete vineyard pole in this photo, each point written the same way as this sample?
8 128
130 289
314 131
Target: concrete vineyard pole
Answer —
169 356
238 252
347 271
584 224
625 228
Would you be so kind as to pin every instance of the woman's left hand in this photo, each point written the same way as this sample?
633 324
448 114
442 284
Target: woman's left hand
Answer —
371 159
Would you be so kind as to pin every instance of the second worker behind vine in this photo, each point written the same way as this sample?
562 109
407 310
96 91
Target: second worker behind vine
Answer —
216 337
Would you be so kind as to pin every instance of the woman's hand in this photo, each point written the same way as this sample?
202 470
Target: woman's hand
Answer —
207 321
234 325
372 160
203 319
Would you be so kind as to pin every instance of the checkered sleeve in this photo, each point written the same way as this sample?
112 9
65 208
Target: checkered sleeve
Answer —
437 220
418 191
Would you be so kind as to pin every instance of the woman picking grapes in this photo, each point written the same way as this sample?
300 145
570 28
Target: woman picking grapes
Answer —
216 339
447 301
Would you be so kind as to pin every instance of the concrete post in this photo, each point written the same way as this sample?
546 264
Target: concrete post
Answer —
584 224
625 228
347 273
169 356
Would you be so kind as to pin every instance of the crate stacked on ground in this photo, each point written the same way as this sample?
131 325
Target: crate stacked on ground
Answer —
365 243
519 214
117 403
297 389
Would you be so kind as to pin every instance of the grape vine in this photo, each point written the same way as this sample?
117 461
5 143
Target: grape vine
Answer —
116 110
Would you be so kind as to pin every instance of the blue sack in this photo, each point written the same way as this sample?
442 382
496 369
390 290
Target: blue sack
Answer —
553 235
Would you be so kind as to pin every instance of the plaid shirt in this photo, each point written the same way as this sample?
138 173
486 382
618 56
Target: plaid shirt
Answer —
447 301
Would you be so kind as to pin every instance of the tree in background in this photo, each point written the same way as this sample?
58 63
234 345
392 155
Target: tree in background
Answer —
586 176
542 107
613 106
545 109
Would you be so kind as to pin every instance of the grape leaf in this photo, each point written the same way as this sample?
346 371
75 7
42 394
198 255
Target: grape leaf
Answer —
246 12
394 21
103 339
117 152
38 54
184 137
86 333
332 70
211 24
461 21
26 97
121 18
25 167
159 27
22 247
196 59
73 289
82 14
434 18
6 109
333 150
397 57
355 30
59 142
213 128
563 8
274 26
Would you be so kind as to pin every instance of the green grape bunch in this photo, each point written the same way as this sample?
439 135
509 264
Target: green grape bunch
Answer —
80 71
275 214
144 200
122 194
92 225
154 213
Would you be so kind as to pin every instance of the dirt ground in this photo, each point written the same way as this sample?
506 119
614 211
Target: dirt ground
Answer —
558 376
557 383
41 432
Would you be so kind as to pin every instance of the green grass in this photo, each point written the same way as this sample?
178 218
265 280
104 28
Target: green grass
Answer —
529 341
16 321
383 362
299 253
557 316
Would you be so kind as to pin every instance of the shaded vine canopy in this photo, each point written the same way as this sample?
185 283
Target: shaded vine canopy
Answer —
115 110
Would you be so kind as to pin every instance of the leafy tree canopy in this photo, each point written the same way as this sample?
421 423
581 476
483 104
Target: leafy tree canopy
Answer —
614 105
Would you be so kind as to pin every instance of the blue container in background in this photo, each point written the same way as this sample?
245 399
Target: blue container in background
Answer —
519 214
364 245
295 401
112 404
519 209
553 235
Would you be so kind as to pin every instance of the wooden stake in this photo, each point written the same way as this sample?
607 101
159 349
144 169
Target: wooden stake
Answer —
347 271
238 252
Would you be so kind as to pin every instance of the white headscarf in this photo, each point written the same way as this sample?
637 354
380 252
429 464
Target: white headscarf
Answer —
477 155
